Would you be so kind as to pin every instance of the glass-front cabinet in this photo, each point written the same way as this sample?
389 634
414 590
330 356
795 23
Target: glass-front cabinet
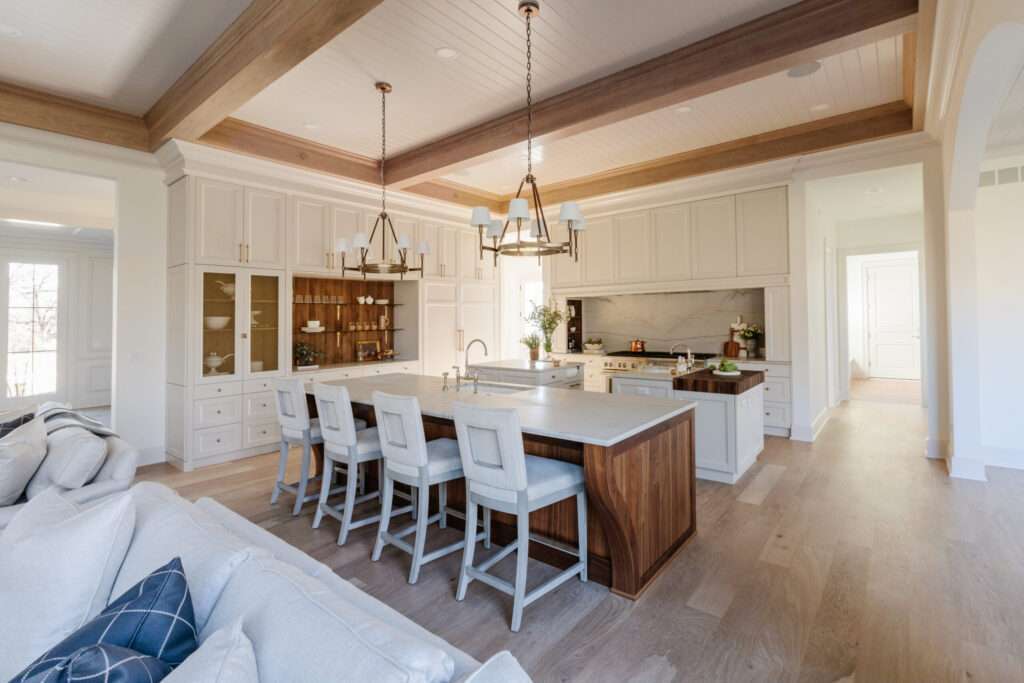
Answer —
241 318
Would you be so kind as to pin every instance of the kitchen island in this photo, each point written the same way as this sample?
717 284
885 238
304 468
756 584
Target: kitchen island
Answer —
637 456
532 372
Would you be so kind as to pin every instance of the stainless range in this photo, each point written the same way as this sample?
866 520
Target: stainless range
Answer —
618 362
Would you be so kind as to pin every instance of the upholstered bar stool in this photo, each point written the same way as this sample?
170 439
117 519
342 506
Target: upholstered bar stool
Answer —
500 476
410 459
296 428
346 449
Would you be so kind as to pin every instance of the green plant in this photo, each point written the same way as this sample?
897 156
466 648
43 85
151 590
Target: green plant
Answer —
306 354
531 341
546 319
751 331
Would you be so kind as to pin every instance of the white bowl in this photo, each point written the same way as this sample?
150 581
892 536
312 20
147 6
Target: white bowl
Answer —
361 299
383 301
217 322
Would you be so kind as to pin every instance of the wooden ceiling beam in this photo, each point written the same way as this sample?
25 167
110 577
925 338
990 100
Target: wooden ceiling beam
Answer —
457 193
267 40
886 120
805 31
33 109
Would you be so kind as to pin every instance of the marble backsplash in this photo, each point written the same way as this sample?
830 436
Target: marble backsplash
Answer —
698 319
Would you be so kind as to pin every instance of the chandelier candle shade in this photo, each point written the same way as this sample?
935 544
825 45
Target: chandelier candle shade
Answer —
362 242
539 244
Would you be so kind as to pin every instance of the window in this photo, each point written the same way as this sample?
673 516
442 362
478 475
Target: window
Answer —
32 294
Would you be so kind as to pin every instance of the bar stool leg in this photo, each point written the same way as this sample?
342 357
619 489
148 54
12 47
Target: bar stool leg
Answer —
282 464
468 550
487 528
522 558
350 503
325 489
422 516
388 492
300 495
581 531
442 503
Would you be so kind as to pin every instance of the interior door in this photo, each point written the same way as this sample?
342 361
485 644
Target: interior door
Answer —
894 321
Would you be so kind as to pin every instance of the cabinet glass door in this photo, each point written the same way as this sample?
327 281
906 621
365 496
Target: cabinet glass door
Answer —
264 323
219 323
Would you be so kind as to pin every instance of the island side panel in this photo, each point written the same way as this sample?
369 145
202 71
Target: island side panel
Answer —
644 493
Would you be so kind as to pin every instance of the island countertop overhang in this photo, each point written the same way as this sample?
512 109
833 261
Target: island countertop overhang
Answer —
565 414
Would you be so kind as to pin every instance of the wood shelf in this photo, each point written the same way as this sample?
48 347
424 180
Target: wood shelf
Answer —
389 329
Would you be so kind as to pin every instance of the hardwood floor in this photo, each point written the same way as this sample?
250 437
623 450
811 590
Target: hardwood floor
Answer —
886 390
850 559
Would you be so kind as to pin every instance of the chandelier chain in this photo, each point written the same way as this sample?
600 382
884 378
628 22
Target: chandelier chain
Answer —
529 95
383 148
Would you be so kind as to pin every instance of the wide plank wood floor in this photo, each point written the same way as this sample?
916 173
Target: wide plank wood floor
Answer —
852 559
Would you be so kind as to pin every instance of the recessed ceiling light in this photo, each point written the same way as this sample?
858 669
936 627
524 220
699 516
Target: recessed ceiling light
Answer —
684 109
41 224
874 190
311 126
7 31
804 70
17 179
446 53
821 107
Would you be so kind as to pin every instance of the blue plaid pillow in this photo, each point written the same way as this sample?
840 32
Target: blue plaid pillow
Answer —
154 618
106 663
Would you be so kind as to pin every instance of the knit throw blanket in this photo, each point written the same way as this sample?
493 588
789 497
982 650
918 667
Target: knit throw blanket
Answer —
58 416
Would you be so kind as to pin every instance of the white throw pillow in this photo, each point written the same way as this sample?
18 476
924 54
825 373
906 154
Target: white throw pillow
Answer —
168 526
55 576
501 667
73 457
21 453
47 509
225 657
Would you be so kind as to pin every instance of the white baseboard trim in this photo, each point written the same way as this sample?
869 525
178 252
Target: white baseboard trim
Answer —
715 475
1004 457
962 467
809 433
936 449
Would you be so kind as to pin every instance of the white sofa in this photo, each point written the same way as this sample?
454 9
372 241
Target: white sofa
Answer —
117 474
306 623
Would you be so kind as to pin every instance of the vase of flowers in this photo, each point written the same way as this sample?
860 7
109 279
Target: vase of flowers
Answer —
532 342
546 319
751 336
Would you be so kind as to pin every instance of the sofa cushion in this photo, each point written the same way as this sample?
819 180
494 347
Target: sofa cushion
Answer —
73 457
154 618
21 453
59 573
224 657
10 422
106 663
168 526
47 509
302 632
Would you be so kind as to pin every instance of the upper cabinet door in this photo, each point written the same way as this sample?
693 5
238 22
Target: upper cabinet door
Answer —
219 219
776 323
447 239
345 223
310 241
762 232
431 234
565 271
713 224
406 227
672 240
598 254
266 227
633 247
469 255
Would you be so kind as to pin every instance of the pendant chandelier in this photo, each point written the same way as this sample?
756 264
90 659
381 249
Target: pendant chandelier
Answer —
365 243
518 215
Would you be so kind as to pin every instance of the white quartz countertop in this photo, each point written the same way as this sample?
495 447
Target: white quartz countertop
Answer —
572 415
522 365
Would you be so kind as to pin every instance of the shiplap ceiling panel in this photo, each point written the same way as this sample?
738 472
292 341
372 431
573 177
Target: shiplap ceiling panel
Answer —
119 54
856 79
330 99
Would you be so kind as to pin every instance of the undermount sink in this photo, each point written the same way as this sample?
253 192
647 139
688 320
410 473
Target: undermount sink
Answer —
486 388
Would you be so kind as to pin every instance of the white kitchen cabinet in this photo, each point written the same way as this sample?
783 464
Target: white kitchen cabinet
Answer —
309 240
671 242
633 247
762 232
652 388
442 261
564 271
478 317
266 227
594 378
219 234
440 322
345 223
468 255
728 432
430 233
599 254
776 323
713 229
778 404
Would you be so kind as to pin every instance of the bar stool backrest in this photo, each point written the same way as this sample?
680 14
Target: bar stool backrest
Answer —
290 401
491 446
334 408
400 428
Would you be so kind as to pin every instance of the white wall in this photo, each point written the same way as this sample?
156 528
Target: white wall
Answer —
887 231
139 271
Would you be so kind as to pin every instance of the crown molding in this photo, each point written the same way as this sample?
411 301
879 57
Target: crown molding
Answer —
65 143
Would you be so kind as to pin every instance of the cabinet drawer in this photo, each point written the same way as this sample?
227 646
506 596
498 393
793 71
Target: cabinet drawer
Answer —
769 369
776 415
260 406
252 386
211 412
215 390
217 440
776 390
261 434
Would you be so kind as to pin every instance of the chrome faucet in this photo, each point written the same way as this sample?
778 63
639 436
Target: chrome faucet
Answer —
673 349
458 377
469 346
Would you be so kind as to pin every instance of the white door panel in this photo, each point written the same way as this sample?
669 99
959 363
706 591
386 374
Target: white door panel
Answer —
894 324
